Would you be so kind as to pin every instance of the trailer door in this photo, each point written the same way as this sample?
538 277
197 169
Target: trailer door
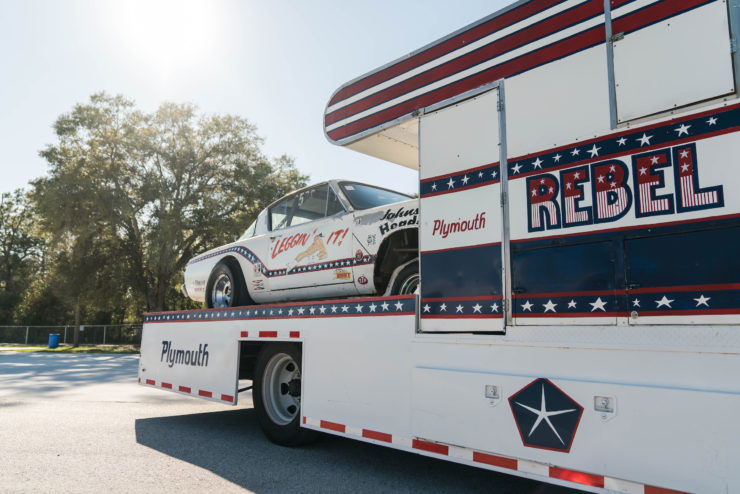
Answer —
461 215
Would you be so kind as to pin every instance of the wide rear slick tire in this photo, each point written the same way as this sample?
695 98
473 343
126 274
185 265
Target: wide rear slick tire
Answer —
226 287
277 394
407 280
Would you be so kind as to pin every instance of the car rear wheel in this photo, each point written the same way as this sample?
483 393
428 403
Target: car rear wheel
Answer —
277 394
226 287
408 279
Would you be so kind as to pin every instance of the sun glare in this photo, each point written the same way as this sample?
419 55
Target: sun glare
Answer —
167 36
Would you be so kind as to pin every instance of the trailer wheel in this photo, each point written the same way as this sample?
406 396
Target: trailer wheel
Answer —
407 280
277 394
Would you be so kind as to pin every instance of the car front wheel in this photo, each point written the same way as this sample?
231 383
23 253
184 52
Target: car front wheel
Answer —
226 287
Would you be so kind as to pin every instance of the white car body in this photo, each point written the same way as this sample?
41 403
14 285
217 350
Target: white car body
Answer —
333 256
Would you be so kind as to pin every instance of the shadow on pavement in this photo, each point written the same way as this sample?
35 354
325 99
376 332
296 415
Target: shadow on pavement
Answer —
231 445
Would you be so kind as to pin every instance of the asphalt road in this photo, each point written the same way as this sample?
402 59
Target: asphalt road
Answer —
81 423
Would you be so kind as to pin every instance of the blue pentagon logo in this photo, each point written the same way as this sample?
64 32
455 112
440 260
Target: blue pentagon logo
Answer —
546 417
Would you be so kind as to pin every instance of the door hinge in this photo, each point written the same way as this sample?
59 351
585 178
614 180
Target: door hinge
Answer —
500 105
733 45
503 199
617 37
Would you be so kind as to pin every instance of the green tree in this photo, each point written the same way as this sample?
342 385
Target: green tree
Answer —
20 250
132 196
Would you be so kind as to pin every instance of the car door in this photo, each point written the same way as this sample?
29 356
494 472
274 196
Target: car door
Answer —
310 249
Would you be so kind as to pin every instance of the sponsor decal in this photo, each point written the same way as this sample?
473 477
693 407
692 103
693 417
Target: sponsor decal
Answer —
316 251
546 417
444 228
176 356
341 274
660 182
290 242
398 218
358 255
371 240
362 280
258 267
258 285
199 282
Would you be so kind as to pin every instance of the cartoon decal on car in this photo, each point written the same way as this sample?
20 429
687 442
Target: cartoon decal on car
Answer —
332 239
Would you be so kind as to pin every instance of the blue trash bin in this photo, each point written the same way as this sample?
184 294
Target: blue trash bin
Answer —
53 341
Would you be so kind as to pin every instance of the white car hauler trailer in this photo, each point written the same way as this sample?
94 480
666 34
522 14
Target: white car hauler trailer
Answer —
579 314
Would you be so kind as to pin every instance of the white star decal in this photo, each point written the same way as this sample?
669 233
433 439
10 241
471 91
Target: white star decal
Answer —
459 308
443 307
312 310
654 160
345 308
537 163
333 309
683 129
557 158
434 186
301 310
451 183
543 414
702 300
712 121
280 311
636 302
322 309
494 173
575 152
643 170
594 151
399 305
373 307
644 140
622 141
549 306
477 308
427 308
494 307
685 153
572 304
290 312
465 180
664 302
384 306
685 167
527 306
598 304
480 174
516 169
358 308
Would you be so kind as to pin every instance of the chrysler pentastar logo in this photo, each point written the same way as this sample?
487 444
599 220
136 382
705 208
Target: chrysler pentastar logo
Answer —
546 417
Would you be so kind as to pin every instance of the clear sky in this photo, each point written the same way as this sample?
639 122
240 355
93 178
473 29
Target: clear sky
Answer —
274 62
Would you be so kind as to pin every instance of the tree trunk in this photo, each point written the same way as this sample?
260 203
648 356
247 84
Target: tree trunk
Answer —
76 340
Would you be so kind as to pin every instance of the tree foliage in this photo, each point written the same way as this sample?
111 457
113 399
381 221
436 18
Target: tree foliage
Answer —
131 196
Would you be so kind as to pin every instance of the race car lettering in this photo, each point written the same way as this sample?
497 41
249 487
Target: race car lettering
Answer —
198 358
555 202
341 274
336 238
409 215
290 242
444 228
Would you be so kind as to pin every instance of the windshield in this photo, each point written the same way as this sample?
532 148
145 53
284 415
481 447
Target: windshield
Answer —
363 196
249 232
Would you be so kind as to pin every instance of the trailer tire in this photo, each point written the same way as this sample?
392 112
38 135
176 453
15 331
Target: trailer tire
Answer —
277 394
407 280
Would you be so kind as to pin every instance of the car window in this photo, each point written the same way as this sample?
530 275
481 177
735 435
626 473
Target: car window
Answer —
363 196
249 232
334 206
280 213
310 205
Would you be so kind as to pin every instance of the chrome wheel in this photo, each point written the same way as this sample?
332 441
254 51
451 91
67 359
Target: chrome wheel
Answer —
409 285
221 292
281 389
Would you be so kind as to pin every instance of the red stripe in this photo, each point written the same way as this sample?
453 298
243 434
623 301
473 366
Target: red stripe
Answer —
268 334
649 489
542 56
139 380
304 420
332 426
573 314
295 334
456 299
424 56
577 477
496 461
150 381
651 14
687 288
440 449
378 436
206 394
462 316
245 334
167 385
227 398
690 312
184 389
471 59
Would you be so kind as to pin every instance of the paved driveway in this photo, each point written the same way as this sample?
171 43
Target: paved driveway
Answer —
80 423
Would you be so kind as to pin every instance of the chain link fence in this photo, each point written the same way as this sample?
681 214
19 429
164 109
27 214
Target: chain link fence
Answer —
109 334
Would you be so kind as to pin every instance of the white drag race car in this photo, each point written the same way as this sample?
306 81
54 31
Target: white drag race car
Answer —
333 239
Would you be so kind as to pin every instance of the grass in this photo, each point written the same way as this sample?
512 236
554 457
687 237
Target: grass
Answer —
70 349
